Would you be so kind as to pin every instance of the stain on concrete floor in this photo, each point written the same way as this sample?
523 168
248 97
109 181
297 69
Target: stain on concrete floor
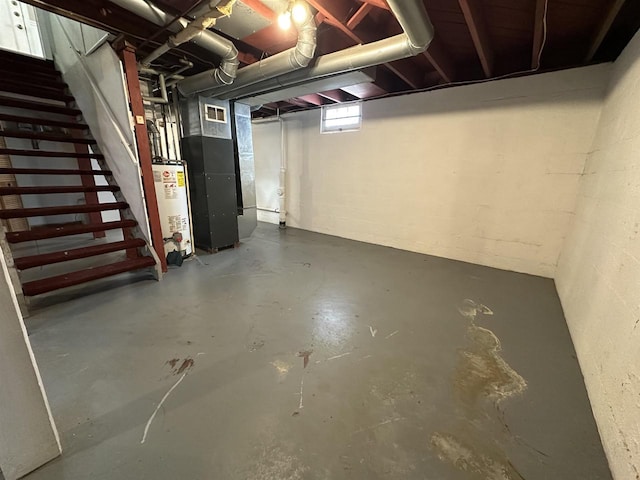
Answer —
435 394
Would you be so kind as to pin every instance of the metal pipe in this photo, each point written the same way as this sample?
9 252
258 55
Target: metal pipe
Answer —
163 98
191 30
418 33
226 71
292 59
186 66
282 190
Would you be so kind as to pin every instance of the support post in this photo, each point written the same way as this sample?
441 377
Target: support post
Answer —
128 56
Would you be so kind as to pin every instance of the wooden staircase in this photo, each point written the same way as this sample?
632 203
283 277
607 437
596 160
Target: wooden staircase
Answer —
36 107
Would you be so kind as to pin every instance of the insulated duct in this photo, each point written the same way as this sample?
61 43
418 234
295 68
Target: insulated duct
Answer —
192 30
418 33
226 72
292 59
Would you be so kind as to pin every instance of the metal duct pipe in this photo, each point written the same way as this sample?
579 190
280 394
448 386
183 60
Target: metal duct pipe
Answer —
292 59
163 98
216 44
418 33
194 28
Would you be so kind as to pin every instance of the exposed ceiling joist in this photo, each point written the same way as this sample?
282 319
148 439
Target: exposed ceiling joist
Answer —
335 10
313 98
407 72
477 25
377 3
603 29
360 15
538 32
440 60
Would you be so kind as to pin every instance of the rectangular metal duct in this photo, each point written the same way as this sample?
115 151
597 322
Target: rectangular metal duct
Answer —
321 85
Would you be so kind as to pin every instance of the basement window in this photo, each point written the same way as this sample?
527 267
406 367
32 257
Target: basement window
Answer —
216 114
341 118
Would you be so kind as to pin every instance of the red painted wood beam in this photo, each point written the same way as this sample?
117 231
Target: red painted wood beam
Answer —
90 198
603 29
377 3
312 98
406 71
337 96
130 64
473 15
440 60
360 15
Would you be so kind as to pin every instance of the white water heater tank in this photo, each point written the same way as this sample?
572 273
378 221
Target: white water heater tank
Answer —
171 192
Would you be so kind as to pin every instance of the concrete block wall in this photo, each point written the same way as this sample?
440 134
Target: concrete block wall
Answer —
598 276
485 173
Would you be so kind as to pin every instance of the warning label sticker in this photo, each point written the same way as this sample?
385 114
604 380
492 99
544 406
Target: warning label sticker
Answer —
180 176
170 191
157 176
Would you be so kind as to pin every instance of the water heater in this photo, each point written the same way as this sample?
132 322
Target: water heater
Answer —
173 205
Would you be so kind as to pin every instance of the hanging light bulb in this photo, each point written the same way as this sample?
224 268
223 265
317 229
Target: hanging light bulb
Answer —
299 12
284 20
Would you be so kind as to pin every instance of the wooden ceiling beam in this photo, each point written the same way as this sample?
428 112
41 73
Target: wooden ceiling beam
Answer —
313 98
335 10
297 102
377 3
406 71
339 10
603 29
338 96
360 15
473 15
440 60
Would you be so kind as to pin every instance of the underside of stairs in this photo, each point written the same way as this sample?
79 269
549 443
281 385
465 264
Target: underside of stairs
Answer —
60 228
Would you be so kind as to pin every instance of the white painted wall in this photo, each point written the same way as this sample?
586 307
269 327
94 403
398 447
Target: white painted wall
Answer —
598 276
486 173
267 170
28 436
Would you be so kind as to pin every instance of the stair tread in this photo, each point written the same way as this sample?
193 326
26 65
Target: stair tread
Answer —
47 153
17 79
57 189
49 284
31 261
43 121
35 105
67 230
40 80
52 171
61 210
8 54
35 91
20 66
52 137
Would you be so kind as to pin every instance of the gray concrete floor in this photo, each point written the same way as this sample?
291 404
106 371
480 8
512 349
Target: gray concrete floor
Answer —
416 368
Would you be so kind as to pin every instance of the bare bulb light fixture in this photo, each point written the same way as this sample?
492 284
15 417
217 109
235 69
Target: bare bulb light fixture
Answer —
296 12
284 20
